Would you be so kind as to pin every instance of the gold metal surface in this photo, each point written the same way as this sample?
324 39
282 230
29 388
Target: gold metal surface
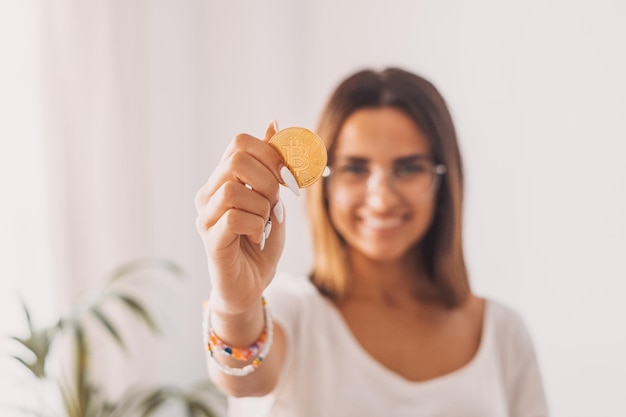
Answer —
304 153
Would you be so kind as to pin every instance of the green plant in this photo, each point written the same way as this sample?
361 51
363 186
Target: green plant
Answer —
80 395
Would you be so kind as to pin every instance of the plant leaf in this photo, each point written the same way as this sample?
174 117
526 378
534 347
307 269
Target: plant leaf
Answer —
109 326
69 401
140 264
38 344
81 364
27 314
96 404
124 406
203 409
190 409
153 401
139 310
42 340
29 366
172 267
27 343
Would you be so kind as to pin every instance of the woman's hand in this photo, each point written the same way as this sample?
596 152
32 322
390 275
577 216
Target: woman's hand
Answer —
241 221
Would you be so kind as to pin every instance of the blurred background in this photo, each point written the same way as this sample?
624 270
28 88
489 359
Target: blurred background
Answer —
113 114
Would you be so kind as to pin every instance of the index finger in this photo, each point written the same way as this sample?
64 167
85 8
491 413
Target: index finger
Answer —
285 173
259 150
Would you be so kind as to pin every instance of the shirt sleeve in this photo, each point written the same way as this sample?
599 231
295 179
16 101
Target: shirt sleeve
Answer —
522 376
289 298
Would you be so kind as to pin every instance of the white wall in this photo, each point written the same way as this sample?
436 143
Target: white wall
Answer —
536 88
25 259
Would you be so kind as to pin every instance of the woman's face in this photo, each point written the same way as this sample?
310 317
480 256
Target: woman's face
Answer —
378 199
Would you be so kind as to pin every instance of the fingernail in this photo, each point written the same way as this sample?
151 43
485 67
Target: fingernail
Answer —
268 229
279 212
289 180
275 124
262 244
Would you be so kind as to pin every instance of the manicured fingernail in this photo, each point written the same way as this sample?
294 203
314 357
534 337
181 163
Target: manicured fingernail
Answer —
262 244
268 229
279 212
289 180
275 124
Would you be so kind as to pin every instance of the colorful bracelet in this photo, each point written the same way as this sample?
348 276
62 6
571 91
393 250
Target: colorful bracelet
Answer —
215 344
257 350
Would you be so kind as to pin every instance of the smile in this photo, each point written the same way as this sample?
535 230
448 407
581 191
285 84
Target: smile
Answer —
382 224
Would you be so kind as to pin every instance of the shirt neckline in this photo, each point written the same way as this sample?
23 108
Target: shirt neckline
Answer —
379 368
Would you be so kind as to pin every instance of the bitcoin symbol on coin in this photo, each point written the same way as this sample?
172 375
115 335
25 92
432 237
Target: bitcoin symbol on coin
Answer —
297 154
304 153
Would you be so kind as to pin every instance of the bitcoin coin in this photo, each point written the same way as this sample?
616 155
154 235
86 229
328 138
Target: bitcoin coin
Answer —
304 153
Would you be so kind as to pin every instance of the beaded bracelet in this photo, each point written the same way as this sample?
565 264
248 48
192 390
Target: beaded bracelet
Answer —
217 345
258 349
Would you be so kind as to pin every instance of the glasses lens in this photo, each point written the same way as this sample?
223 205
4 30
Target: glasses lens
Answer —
413 177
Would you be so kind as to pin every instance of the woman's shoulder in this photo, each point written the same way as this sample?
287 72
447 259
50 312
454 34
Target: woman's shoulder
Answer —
501 312
518 360
509 328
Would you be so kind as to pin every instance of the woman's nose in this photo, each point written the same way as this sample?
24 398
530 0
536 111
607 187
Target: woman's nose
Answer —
381 191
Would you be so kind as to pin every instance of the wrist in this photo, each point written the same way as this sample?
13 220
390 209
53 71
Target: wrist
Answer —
236 326
252 353
240 310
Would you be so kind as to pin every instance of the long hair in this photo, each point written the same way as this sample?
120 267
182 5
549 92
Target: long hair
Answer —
442 245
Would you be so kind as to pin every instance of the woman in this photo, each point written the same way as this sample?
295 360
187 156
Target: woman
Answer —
386 323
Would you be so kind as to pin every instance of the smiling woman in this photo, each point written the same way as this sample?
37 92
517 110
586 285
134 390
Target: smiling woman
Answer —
414 121
380 197
142 97
386 323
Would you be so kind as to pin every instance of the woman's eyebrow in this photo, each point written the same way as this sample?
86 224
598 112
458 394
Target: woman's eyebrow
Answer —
352 159
413 158
400 160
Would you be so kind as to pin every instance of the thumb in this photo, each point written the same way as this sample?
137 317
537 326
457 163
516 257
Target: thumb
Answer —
271 130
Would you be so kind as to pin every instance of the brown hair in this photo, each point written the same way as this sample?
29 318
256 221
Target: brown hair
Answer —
442 245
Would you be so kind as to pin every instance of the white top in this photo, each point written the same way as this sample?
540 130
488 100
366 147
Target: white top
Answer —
328 373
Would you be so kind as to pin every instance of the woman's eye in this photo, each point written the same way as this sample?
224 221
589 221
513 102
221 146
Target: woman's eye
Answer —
354 169
411 169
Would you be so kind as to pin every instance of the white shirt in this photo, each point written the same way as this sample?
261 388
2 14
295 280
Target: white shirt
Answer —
328 373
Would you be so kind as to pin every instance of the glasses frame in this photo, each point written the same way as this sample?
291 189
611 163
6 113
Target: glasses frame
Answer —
438 171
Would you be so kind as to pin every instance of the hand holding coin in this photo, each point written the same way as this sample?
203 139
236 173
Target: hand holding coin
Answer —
240 207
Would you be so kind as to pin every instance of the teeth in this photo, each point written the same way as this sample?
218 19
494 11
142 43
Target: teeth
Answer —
383 223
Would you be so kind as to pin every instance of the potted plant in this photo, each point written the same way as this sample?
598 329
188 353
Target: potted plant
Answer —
79 394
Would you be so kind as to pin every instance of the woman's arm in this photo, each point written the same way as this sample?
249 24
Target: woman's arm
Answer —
241 222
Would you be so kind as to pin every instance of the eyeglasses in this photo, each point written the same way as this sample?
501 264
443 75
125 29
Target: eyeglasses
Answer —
412 176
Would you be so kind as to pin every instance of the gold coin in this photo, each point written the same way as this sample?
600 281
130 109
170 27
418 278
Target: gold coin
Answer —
304 153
